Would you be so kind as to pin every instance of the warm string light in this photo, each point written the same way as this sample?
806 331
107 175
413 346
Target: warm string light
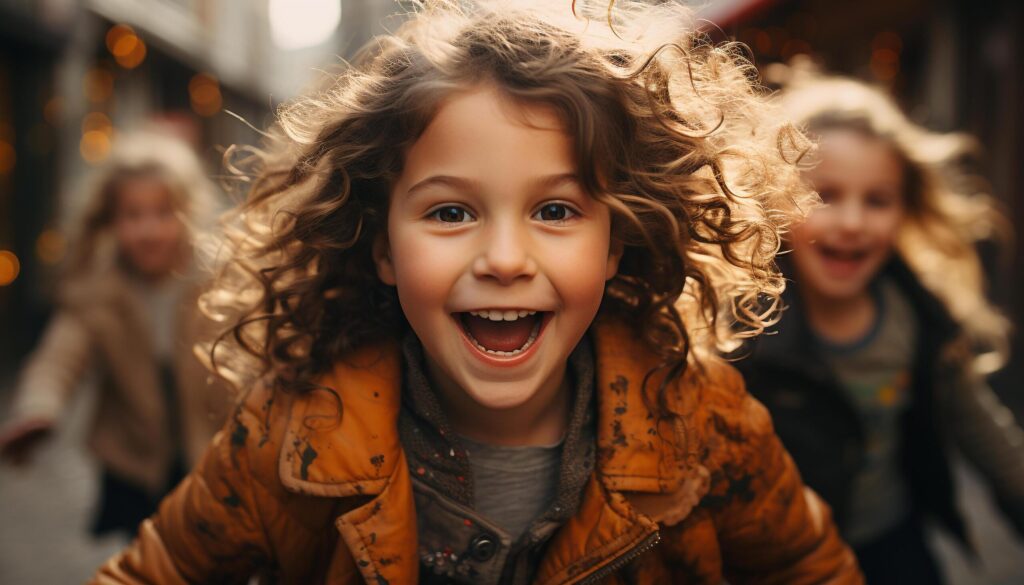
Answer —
9 267
51 246
127 48
885 55
204 94
97 134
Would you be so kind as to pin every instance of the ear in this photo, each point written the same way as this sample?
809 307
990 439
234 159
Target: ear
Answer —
382 258
614 256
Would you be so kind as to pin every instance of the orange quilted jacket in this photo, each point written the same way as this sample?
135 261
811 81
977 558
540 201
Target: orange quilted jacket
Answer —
309 489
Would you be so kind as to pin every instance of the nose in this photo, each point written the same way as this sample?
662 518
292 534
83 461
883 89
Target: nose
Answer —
851 215
505 254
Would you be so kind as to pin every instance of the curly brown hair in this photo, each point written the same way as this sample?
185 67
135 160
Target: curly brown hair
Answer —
672 133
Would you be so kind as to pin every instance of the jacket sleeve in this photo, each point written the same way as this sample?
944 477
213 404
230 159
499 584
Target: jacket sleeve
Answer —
986 433
772 529
53 370
209 529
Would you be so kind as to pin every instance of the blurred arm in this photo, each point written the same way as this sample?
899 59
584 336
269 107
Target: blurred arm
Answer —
988 436
52 371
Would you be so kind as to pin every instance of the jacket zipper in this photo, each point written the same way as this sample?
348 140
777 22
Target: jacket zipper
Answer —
649 542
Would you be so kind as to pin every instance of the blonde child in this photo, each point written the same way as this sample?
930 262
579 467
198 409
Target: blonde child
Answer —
455 277
127 310
881 355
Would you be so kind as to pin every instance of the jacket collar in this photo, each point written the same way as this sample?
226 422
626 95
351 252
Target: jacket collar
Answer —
342 439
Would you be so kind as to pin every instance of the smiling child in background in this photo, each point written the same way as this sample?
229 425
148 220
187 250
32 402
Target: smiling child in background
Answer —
880 357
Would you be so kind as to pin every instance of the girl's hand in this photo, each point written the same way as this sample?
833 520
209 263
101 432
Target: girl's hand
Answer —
19 441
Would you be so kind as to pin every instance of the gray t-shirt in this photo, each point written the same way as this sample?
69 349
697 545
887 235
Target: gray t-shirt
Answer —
875 375
513 485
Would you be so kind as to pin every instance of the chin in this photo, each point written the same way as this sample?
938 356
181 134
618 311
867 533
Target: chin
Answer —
500 395
842 291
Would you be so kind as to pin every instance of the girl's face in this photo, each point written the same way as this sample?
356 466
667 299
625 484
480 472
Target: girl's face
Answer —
499 256
148 231
841 247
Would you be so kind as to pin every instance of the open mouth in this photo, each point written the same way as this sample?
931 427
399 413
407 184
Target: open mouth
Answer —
842 255
502 332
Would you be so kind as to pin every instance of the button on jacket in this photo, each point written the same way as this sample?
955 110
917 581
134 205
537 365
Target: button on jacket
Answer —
313 489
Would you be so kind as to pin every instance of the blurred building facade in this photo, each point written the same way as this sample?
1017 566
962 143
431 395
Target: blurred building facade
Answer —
73 73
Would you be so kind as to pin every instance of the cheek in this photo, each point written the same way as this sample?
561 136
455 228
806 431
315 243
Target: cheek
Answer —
424 272
127 232
173 226
817 224
579 268
887 227
802 237
171 232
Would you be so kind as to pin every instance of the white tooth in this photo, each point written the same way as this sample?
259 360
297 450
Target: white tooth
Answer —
495 315
511 315
523 313
531 312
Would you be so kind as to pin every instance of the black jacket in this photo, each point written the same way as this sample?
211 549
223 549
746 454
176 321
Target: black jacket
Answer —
820 427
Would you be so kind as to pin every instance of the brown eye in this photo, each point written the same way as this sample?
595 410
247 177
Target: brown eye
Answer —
451 214
554 212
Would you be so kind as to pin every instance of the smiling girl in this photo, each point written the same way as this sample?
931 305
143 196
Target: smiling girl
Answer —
127 311
455 279
881 355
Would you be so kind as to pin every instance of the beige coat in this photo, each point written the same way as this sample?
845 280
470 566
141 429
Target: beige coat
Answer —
100 323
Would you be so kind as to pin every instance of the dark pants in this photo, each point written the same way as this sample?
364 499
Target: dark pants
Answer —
124 505
900 557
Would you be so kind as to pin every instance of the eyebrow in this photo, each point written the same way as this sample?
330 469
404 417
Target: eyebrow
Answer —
464 184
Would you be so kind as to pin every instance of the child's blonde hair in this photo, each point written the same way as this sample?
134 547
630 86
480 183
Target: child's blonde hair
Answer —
672 134
947 211
140 154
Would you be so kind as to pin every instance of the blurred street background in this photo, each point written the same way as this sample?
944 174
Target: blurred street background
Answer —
74 73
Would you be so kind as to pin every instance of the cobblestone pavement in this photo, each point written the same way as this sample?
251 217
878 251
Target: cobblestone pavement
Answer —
45 511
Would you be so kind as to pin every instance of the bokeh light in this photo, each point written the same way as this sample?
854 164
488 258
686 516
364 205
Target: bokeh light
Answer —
94 146
127 47
887 40
885 55
885 64
97 121
204 94
9 267
51 246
